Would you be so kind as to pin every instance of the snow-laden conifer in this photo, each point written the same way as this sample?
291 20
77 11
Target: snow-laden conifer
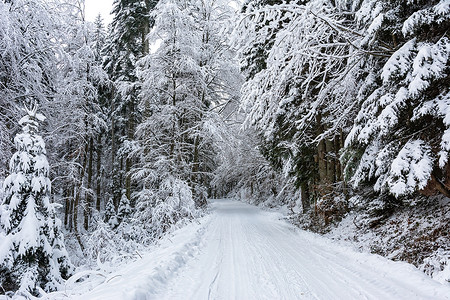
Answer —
402 125
110 214
124 209
32 252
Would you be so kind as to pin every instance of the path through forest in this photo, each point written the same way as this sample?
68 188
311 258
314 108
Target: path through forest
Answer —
243 252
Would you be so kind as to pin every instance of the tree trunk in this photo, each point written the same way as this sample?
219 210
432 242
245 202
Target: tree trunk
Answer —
114 170
77 198
71 195
130 135
146 30
338 167
330 159
321 150
89 202
99 175
306 205
195 163
66 208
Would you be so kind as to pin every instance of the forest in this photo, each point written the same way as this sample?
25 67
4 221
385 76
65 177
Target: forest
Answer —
114 135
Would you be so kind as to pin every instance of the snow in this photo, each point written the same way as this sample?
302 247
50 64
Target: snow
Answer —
429 63
399 63
242 252
376 24
438 13
416 162
439 106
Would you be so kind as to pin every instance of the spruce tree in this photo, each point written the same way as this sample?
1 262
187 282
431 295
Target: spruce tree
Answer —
32 254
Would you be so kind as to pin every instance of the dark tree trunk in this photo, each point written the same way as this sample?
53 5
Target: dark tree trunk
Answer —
89 200
321 150
306 205
78 196
99 175
338 167
66 195
330 162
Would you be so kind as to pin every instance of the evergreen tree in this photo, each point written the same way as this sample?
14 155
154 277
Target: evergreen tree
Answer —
126 44
255 55
33 254
98 37
399 143
124 207
110 214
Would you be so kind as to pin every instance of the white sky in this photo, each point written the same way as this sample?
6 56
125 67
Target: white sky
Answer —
94 7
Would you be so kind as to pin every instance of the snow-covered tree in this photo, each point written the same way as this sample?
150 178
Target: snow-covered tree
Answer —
183 80
124 209
32 253
110 214
257 50
30 46
400 137
291 96
126 44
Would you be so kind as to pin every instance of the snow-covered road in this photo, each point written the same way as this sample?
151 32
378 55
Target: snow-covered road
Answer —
242 252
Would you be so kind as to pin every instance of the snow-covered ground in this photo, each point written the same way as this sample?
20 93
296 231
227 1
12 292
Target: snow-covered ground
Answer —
242 252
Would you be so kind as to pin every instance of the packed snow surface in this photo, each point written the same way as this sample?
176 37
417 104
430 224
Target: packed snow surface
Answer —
242 252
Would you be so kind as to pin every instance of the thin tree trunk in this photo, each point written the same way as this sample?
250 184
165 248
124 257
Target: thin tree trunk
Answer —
321 150
88 208
71 206
77 198
337 148
322 162
130 135
114 170
66 208
146 30
99 175
195 166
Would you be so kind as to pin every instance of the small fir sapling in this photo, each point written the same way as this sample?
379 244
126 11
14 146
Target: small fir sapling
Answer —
124 207
110 214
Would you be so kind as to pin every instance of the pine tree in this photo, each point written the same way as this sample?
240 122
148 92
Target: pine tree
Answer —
99 38
32 255
103 87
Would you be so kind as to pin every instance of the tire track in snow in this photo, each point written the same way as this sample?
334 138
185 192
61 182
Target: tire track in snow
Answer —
246 253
